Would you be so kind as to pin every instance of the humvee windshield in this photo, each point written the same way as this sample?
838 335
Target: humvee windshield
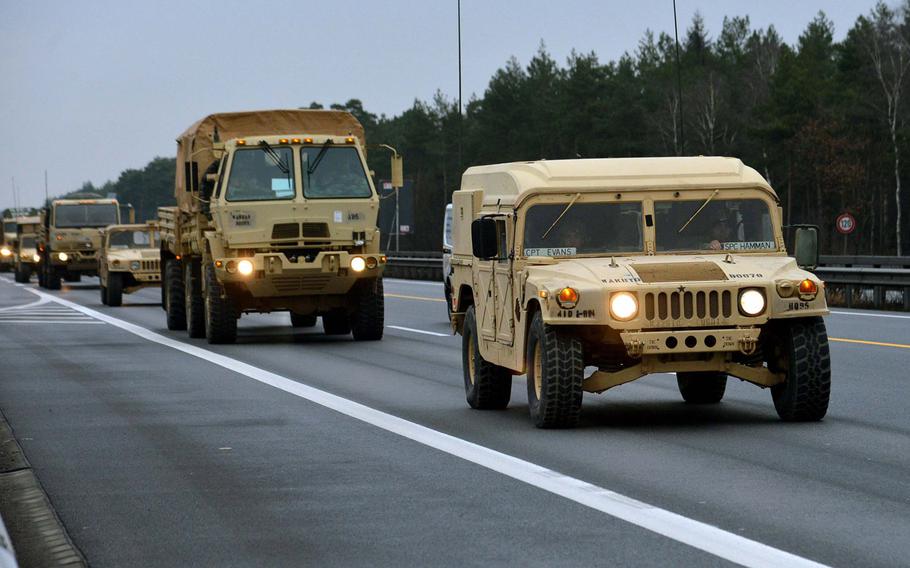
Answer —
133 240
257 176
338 173
27 242
75 216
586 228
727 225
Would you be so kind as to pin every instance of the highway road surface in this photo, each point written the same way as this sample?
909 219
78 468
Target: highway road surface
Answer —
292 448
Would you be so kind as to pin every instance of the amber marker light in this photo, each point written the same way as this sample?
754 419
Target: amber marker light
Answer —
349 140
218 264
295 140
808 288
282 140
307 140
567 297
241 142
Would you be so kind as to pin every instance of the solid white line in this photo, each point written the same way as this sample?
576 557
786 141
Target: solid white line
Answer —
869 315
688 531
412 330
55 322
420 282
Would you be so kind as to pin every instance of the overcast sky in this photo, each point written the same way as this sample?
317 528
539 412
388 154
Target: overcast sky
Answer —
90 88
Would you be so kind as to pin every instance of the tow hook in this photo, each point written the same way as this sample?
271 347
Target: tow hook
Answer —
635 347
747 345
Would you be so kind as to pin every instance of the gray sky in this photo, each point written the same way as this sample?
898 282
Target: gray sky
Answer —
93 87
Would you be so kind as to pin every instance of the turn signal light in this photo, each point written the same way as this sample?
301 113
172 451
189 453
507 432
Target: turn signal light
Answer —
808 288
567 297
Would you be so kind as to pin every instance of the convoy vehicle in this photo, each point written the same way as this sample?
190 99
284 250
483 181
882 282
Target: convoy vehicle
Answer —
7 243
26 252
275 212
628 267
69 237
129 260
447 257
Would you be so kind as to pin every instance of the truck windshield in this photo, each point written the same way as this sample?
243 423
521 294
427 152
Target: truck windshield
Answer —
257 175
75 216
340 173
28 242
133 240
9 226
725 225
585 228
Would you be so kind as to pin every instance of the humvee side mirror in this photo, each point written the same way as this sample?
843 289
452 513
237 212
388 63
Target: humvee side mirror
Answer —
483 238
806 247
397 171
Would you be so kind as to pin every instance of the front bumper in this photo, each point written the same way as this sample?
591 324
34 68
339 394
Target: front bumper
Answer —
76 260
639 343
274 274
142 277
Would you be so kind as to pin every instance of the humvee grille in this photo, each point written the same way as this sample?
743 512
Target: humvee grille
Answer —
286 231
315 230
149 266
688 305
297 284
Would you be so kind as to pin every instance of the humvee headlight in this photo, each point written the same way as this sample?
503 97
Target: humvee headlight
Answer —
567 298
808 288
37 258
116 262
623 306
245 267
134 265
231 266
751 302
372 262
5 251
63 256
358 264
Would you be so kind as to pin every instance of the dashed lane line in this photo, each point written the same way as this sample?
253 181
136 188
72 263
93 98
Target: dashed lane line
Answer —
423 298
412 330
699 535
864 342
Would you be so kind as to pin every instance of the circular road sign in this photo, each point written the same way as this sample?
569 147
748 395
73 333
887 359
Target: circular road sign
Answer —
846 223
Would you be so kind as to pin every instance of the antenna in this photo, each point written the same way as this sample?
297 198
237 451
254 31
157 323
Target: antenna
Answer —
682 132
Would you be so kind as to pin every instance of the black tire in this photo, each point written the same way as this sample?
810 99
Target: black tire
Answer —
174 302
486 386
368 319
702 387
41 274
220 313
114 289
336 323
103 290
555 376
804 395
299 320
23 273
194 303
52 279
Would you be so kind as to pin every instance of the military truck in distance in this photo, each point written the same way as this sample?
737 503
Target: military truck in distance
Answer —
129 260
631 267
26 252
275 212
7 243
69 237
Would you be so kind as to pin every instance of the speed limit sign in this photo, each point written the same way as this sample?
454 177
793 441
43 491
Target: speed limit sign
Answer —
845 223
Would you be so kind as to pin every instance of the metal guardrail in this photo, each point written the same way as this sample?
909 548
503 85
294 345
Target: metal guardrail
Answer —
880 282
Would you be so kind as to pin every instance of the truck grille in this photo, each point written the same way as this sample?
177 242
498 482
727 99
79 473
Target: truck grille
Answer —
660 306
298 284
286 231
315 230
150 266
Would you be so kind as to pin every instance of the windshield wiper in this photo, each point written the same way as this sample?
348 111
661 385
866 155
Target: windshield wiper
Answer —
697 211
310 170
276 157
561 215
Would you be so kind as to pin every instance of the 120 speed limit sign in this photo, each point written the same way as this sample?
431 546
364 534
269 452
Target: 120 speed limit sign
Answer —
845 223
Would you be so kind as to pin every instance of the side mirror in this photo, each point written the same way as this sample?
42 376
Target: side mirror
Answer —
397 171
484 242
806 247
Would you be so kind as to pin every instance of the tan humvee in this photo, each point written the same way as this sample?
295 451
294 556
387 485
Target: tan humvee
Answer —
276 212
129 261
628 267
69 237
26 251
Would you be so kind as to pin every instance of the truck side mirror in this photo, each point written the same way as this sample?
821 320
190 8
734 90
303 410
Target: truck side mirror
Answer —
806 247
484 242
397 171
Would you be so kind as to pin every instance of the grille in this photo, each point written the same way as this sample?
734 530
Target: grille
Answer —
315 230
297 284
149 266
688 305
286 231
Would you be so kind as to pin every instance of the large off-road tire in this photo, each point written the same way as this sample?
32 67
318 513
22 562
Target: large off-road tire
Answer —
23 273
174 301
336 323
299 320
702 387
52 279
114 289
220 313
368 319
42 281
804 395
555 376
194 303
103 289
487 386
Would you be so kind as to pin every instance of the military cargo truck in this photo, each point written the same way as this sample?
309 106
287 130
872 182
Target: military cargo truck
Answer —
7 243
129 260
26 252
69 237
275 212
588 274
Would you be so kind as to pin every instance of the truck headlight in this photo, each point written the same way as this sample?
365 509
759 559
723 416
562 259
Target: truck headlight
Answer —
245 267
5 251
63 256
358 264
37 258
134 265
751 302
623 306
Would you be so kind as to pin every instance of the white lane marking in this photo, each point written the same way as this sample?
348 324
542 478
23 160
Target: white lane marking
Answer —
34 304
696 534
419 282
412 330
869 315
55 322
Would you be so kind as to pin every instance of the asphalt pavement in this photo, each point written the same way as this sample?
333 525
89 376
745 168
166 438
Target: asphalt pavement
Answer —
294 448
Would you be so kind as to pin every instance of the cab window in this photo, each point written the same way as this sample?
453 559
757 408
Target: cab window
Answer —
261 175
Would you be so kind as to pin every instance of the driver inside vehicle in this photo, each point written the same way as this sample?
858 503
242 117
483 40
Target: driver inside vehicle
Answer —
720 234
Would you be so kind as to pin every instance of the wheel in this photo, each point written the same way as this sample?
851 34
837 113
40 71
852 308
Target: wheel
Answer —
23 273
52 279
193 301
804 395
702 387
447 291
336 323
487 386
555 376
368 319
220 314
103 290
174 303
114 289
298 320
41 279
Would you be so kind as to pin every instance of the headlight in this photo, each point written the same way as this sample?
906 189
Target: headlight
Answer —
245 267
567 298
37 258
751 302
623 306
134 265
358 264
63 256
5 251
